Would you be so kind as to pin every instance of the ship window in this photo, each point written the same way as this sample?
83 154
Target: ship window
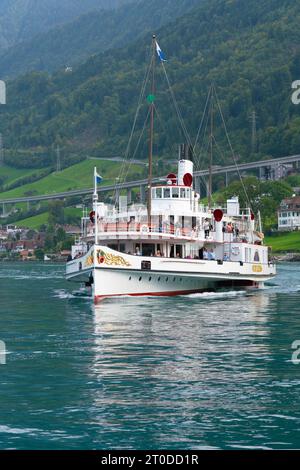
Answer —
154 193
167 193
148 249
182 193
175 192
158 193
256 257
188 195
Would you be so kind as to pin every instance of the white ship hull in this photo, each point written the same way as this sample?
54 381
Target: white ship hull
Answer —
109 273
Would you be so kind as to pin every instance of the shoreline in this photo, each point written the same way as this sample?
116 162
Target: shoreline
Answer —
290 257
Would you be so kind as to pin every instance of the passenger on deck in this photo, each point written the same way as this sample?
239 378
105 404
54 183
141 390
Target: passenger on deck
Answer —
205 253
230 228
225 257
206 227
211 255
137 251
158 254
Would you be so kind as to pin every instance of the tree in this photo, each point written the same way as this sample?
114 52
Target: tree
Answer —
39 254
56 213
262 196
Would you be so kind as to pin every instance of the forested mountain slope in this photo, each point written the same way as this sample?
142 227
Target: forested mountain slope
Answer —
91 33
250 49
22 19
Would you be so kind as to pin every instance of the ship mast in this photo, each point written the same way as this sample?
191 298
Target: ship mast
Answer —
211 150
151 131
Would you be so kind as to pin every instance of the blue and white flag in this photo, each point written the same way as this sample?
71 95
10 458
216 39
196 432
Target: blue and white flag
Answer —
97 178
160 52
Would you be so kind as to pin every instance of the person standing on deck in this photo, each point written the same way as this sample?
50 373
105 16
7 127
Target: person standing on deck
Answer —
206 227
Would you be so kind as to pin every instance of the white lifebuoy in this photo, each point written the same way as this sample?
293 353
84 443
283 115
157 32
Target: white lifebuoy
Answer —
144 228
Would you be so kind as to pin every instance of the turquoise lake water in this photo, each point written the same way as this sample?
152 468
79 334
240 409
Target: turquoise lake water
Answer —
194 372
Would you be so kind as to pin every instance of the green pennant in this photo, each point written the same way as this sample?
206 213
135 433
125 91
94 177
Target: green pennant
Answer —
150 98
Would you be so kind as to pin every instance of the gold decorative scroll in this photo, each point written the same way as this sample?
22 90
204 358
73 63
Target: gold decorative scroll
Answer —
110 259
89 260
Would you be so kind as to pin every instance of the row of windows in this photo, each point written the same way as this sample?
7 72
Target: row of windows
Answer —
171 192
290 214
288 222
286 206
167 279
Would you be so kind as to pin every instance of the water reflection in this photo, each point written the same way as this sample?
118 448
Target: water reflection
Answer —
176 361
200 371
153 335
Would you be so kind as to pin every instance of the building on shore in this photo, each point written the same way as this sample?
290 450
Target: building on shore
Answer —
289 214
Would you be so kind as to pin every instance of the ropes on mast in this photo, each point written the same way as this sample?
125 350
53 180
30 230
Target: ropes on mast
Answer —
231 148
140 104
123 173
178 112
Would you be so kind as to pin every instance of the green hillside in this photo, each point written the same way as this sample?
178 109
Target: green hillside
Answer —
89 34
10 175
36 221
75 177
289 242
249 48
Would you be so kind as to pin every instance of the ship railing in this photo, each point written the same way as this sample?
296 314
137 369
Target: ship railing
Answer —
154 229
174 231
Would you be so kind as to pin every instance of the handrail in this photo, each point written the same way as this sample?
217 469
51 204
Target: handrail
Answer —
145 228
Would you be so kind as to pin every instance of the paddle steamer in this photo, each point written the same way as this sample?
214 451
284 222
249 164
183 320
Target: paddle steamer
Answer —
173 244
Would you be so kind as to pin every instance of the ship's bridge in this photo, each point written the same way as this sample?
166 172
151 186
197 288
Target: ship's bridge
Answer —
174 198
